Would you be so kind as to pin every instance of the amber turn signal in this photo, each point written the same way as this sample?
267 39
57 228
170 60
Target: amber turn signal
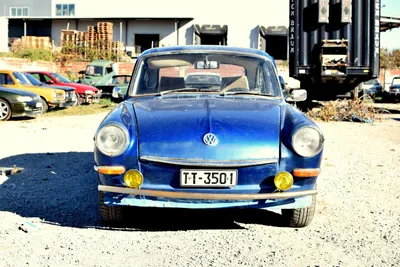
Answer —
111 170
306 172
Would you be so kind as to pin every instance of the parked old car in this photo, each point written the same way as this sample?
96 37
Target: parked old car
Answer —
394 89
236 144
119 86
372 88
84 93
18 103
70 97
99 73
51 98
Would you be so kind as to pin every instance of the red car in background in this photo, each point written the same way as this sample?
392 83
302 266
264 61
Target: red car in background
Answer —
84 93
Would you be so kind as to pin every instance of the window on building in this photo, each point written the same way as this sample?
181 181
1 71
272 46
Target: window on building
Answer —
65 10
19 11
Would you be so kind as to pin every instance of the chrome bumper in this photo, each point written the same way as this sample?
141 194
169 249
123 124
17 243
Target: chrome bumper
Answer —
205 196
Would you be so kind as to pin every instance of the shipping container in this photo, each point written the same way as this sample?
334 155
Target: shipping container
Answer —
334 45
3 34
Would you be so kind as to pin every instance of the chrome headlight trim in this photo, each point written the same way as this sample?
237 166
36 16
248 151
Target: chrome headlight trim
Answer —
295 146
119 151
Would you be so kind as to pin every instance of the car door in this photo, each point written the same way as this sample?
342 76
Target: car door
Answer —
39 77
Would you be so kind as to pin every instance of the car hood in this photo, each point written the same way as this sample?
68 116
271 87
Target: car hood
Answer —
65 88
17 92
171 129
80 88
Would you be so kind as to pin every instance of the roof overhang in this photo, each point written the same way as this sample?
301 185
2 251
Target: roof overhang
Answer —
99 19
389 23
210 29
274 30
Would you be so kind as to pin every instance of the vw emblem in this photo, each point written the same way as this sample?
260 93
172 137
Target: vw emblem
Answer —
210 139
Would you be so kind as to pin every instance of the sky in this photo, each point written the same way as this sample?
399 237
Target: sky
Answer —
390 39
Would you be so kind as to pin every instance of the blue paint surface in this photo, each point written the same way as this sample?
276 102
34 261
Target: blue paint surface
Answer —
247 127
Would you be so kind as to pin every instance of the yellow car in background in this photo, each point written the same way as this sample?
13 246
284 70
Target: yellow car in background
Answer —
51 98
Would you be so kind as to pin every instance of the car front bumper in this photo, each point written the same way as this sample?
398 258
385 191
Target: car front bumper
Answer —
58 103
123 196
21 109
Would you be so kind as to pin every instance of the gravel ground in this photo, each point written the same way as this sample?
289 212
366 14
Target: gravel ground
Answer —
49 213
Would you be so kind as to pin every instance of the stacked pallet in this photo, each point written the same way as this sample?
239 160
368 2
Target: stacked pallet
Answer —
91 37
15 44
68 37
80 38
36 42
117 47
105 35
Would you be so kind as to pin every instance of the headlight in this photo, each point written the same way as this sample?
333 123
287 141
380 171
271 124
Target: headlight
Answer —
112 140
54 94
307 141
24 98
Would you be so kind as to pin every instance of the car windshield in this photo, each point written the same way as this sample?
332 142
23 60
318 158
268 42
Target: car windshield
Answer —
32 79
21 78
396 81
203 78
121 80
60 78
94 70
212 72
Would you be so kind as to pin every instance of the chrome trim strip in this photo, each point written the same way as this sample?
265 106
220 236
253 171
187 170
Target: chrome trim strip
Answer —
209 163
205 196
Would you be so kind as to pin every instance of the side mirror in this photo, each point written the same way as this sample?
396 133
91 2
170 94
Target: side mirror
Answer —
82 72
116 93
50 82
297 95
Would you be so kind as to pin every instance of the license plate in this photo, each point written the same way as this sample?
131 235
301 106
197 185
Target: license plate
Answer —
39 104
208 178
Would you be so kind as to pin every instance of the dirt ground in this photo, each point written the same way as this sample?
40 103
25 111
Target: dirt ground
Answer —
49 212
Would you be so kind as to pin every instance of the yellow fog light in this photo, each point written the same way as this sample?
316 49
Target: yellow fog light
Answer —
283 181
133 178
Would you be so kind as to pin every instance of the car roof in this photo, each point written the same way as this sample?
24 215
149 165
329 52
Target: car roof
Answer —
213 48
100 62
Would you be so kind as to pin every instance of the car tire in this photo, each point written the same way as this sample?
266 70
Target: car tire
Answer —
110 215
45 106
5 110
78 100
299 217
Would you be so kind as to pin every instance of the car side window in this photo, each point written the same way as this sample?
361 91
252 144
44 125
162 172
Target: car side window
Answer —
6 79
37 76
46 79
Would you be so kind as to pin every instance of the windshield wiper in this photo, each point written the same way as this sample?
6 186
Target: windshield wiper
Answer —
187 89
245 92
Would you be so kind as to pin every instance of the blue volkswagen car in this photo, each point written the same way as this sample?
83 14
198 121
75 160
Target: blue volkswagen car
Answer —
236 143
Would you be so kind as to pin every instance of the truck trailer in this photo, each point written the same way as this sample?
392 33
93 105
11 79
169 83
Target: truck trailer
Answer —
334 46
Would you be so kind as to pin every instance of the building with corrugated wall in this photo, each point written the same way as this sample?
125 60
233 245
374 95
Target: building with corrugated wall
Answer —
140 25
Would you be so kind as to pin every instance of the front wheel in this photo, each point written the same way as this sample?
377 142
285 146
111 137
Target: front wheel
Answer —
299 217
110 215
45 106
5 110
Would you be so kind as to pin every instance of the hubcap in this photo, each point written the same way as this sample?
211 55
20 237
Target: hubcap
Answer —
3 110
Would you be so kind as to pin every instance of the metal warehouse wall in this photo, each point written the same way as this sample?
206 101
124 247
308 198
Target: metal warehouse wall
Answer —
242 18
42 9
3 34
165 28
